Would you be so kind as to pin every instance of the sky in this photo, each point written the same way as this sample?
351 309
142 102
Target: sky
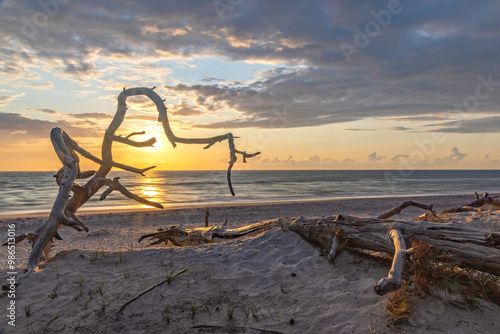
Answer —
311 85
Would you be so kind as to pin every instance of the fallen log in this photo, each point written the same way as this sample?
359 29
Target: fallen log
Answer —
471 247
474 205
395 278
474 248
179 236
397 209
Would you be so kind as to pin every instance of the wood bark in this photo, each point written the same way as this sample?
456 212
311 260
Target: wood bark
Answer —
65 207
472 206
179 236
395 278
397 209
472 248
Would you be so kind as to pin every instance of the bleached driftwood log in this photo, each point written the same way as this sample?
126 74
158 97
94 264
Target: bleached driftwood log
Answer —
398 208
44 235
64 209
474 205
335 247
395 278
473 248
179 236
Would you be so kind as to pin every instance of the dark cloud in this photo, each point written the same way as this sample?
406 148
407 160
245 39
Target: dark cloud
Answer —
479 125
420 118
426 60
184 109
94 115
364 129
140 101
13 124
400 128
210 79
45 110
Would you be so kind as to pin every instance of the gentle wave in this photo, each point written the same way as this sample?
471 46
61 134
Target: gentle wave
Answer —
36 191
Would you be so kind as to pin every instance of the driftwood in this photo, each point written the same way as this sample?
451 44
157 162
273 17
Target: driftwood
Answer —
179 236
64 210
474 205
395 278
397 209
474 248
470 247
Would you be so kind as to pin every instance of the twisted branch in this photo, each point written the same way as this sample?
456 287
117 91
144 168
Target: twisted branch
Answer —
65 206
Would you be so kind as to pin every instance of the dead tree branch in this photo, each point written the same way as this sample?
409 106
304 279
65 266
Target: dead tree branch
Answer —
478 203
65 206
397 209
395 278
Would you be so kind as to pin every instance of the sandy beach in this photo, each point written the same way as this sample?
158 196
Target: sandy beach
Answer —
266 283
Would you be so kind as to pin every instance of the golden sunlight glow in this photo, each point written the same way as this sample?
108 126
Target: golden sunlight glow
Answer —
151 193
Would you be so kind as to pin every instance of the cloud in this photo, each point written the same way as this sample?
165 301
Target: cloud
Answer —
184 109
359 129
399 157
144 118
486 156
4 99
424 118
400 128
92 115
373 157
311 162
454 157
35 85
140 102
14 125
489 124
210 79
45 110
414 68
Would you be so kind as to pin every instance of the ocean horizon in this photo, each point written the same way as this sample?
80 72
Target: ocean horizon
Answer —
30 192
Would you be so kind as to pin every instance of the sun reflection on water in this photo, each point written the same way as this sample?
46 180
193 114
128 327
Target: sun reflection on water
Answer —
150 192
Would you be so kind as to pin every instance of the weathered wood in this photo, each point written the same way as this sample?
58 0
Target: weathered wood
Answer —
65 206
179 236
397 209
474 248
46 233
335 246
479 202
395 278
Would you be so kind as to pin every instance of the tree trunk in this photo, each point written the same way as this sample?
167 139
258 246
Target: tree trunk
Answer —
473 248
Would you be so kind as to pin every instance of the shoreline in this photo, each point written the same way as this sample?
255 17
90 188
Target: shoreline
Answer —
118 229
137 208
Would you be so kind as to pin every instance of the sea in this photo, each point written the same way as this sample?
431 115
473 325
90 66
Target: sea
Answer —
34 192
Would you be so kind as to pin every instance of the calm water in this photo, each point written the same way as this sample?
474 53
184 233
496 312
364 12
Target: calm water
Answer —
36 191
